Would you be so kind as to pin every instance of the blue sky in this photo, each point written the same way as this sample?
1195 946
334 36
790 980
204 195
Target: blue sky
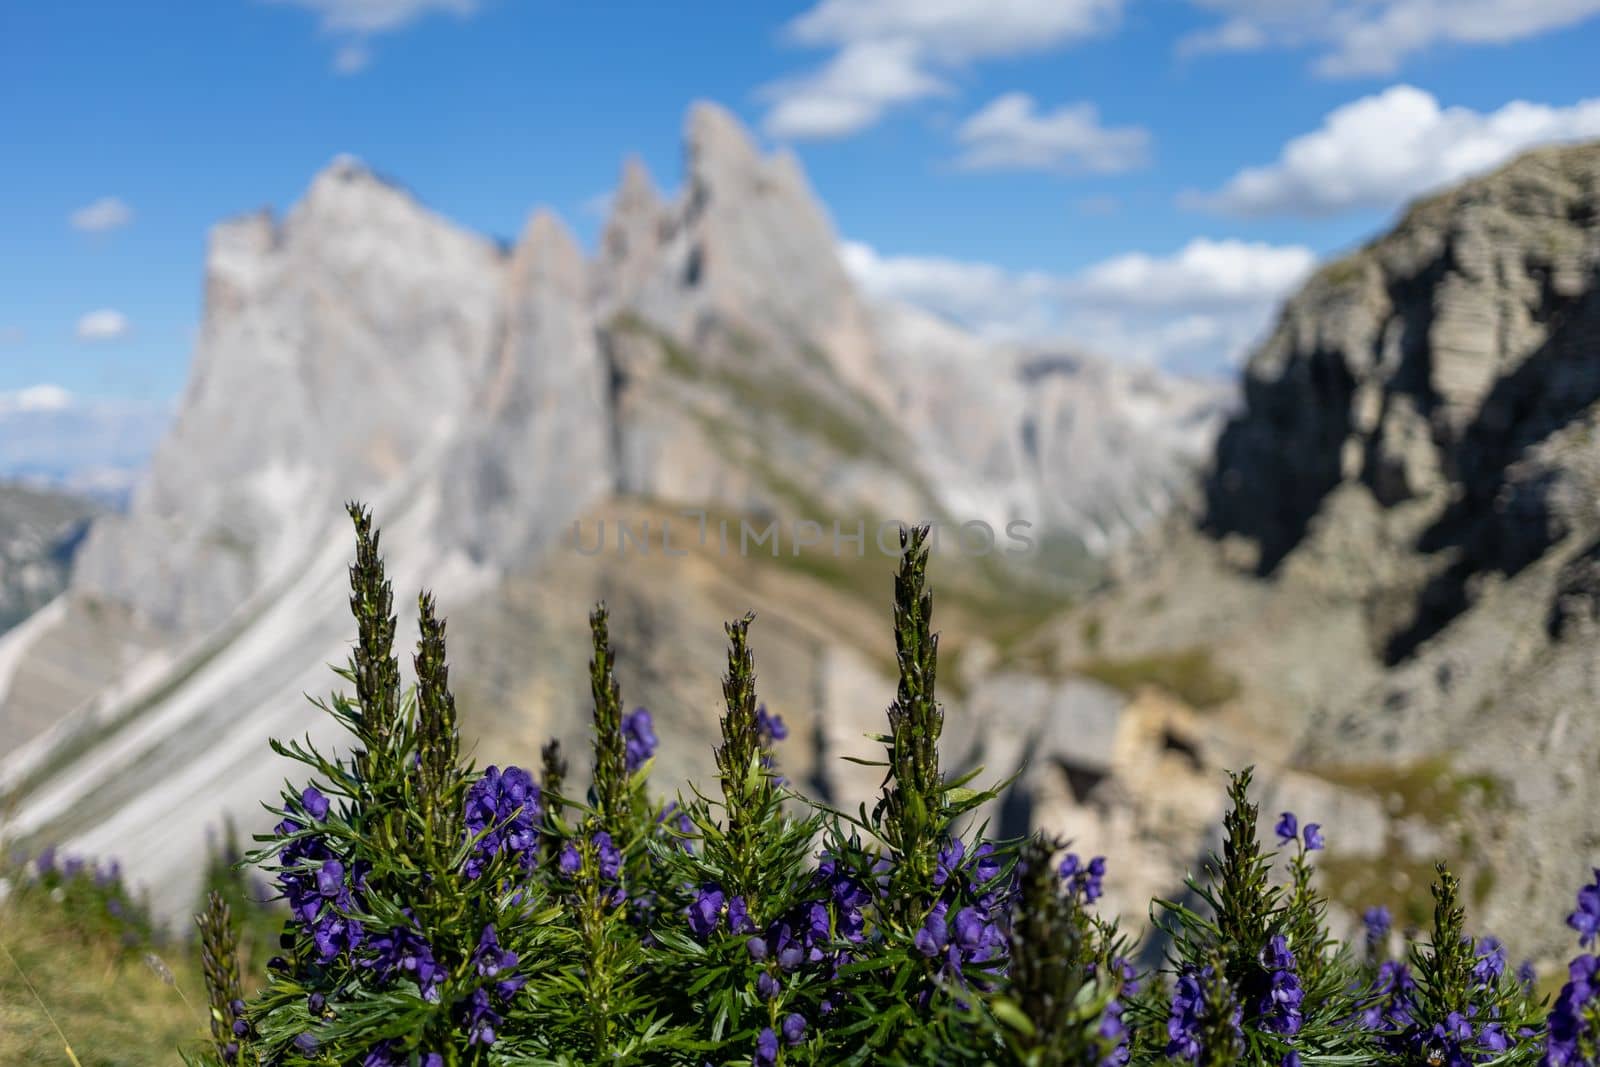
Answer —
1142 177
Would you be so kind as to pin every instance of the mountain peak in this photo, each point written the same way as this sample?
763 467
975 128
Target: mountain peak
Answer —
717 140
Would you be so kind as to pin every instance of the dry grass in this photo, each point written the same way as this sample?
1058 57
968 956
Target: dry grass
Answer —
1189 674
109 1004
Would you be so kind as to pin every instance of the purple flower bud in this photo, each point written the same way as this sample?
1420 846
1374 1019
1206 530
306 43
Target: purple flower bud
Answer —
766 986
794 1028
314 802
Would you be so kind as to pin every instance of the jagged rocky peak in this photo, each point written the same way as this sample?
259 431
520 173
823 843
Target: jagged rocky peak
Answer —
745 249
537 450
631 240
547 253
336 348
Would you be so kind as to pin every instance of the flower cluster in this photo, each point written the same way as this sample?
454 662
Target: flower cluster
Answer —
1193 1018
503 813
1280 1006
1084 879
403 951
639 738
1573 1032
320 891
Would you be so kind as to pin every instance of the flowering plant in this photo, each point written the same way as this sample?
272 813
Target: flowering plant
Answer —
440 915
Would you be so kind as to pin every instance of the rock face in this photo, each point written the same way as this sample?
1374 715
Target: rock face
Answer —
339 348
1423 368
39 532
715 356
1416 461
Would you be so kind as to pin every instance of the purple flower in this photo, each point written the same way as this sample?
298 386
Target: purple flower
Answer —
706 910
610 858
766 1049
383 1054
1585 920
314 802
794 1028
769 727
948 863
1378 922
569 863
767 986
306 1042
639 738
1288 828
1568 1027
1490 961
478 1015
1313 837
934 935
739 917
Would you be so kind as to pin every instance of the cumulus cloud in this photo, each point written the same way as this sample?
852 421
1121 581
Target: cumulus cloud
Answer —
1010 133
1374 37
35 398
1200 307
103 325
1382 150
106 214
893 52
851 92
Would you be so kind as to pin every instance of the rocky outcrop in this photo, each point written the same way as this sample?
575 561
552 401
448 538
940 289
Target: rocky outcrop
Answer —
1424 369
39 532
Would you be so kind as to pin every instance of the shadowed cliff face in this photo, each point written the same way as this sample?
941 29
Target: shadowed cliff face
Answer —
1429 371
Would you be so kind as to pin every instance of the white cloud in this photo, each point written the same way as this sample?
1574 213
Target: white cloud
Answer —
893 52
849 93
378 16
103 325
1010 133
357 20
1373 37
36 398
1382 150
1200 307
106 214
352 58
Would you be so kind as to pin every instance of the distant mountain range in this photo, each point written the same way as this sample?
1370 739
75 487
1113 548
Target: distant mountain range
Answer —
97 448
